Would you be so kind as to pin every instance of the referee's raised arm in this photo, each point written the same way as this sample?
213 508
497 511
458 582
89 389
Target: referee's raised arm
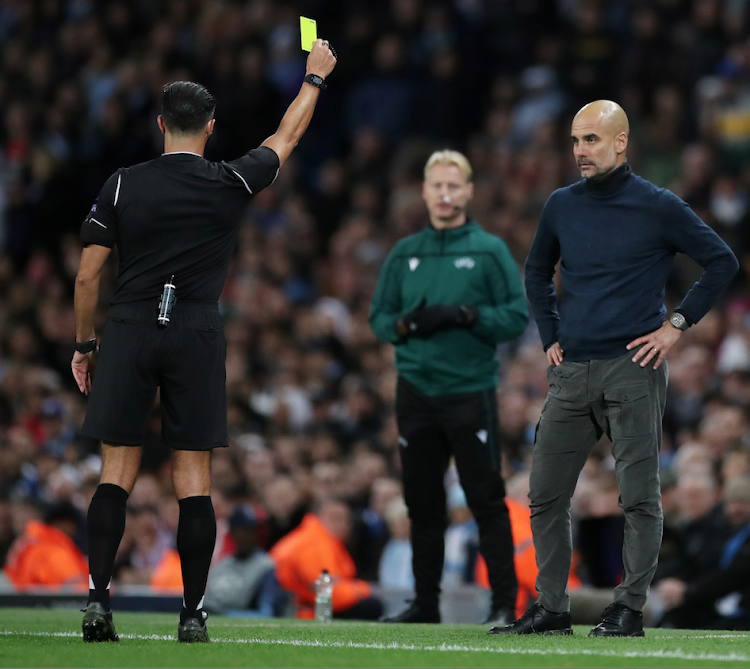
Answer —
320 64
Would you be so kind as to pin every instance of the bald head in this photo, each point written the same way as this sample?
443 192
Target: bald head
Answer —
600 138
606 114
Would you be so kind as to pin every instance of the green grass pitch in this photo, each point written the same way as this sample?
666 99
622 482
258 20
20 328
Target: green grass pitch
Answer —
51 638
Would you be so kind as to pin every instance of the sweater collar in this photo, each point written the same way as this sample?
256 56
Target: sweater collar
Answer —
451 233
611 183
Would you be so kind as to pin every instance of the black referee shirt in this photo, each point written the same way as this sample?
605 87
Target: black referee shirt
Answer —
176 215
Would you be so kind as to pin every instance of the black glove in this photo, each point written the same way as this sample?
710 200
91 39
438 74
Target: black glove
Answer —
426 321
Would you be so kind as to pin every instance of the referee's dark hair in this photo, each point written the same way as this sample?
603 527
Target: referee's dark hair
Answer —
186 107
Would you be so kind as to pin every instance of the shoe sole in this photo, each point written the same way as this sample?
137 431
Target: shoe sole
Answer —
496 623
640 633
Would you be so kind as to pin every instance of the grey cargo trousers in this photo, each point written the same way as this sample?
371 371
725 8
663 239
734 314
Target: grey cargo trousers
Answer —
625 401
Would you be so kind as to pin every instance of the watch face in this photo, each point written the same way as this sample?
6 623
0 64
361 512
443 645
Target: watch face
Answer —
678 320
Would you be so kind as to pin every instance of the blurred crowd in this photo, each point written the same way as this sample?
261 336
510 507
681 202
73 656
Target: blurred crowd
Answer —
310 390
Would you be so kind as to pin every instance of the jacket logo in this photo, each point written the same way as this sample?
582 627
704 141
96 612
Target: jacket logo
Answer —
413 263
468 263
482 436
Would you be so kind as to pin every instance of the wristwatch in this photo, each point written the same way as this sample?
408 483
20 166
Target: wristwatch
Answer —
679 321
316 80
86 346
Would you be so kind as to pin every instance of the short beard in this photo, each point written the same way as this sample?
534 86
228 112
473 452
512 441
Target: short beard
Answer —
600 175
458 212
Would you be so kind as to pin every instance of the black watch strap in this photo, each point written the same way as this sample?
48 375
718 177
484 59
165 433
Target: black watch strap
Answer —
315 80
86 346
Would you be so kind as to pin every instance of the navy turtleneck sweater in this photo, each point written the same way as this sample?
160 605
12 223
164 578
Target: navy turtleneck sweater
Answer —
617 238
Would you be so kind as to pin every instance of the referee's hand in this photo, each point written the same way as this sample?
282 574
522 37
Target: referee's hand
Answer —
83 370
321 60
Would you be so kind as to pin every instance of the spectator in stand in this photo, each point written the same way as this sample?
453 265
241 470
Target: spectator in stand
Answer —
736 463
245 583
718 598
6 529
461 540
541 103
370 532
46 555
384 99
394 570
693 547
149 542
286 507
57 434
320 543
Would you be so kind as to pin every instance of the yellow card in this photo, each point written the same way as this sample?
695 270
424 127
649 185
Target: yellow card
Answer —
308 29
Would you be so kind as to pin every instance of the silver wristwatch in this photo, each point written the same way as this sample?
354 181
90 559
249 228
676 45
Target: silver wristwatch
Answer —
679 321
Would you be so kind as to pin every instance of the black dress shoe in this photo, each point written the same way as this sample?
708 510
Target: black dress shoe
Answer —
414 614
619 620
537 620
500 616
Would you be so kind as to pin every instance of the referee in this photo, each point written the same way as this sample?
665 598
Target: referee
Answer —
173 221
446 297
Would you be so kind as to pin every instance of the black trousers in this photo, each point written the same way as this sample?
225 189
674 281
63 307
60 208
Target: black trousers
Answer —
431 430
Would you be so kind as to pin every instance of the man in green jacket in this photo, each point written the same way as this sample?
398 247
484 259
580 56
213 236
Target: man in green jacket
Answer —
446 297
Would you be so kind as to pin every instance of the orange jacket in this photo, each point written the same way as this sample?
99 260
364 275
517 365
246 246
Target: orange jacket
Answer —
302 554
45 556
524 558
167 574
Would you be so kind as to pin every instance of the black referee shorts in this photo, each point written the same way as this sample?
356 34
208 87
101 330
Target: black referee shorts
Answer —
186 360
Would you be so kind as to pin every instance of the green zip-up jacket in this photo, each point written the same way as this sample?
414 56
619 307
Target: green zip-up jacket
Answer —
461 266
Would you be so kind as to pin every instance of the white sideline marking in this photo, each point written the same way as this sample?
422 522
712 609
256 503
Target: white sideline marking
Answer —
736 635
669 654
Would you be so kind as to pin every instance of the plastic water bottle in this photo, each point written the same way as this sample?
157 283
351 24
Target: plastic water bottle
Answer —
323 597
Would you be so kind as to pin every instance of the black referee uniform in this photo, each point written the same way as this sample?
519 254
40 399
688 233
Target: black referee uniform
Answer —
174 216
173 221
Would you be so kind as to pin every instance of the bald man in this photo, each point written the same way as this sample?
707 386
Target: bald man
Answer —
616 235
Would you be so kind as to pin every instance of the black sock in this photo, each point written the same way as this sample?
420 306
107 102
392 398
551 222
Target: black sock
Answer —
196 537
105 525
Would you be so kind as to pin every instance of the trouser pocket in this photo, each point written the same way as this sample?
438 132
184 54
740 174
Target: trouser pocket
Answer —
631 409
